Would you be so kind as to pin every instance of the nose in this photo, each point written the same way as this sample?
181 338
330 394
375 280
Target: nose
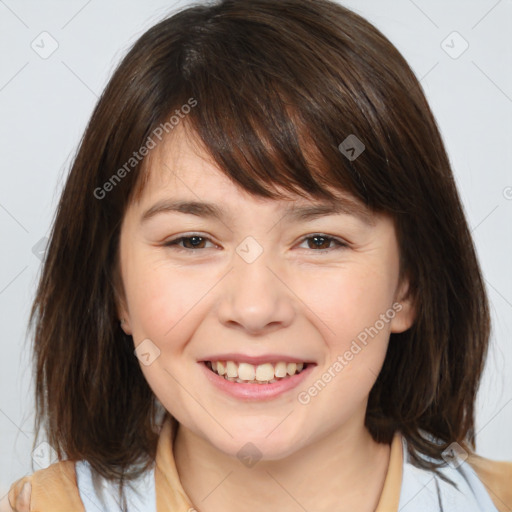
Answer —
255 298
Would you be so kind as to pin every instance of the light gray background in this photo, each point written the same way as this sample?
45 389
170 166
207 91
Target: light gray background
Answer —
45 105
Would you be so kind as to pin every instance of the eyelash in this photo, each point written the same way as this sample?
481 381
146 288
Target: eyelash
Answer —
340 244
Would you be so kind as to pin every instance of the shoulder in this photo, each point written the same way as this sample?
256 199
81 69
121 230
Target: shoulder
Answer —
462 484
53 489
64 486
497 479
102 494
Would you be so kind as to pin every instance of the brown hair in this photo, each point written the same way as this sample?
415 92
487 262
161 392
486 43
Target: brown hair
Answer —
278 86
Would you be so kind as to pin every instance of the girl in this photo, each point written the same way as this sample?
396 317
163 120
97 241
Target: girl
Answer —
260 289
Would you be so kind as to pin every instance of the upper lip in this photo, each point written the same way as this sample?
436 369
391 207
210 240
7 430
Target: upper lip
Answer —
256 360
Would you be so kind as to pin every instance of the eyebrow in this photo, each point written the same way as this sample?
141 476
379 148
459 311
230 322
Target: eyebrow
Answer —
291 214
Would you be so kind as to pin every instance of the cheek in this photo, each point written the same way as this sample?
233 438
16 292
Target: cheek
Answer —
343 302
354 318
353 309
166 305
161 295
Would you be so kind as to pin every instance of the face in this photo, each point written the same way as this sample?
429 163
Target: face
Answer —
262 281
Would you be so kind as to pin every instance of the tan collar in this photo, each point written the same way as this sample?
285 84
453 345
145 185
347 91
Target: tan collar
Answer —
170 494
390 496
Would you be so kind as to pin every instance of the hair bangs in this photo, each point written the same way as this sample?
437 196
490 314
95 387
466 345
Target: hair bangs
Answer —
264 128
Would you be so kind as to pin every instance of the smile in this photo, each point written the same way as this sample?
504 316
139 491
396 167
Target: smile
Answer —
255 382
266 373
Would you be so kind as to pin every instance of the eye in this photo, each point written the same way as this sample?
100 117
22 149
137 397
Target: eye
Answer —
317 242
191 242
321 242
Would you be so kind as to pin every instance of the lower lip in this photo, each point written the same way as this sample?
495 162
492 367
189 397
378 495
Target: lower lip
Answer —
245 391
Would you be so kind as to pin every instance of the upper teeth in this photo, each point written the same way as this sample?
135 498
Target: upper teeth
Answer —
262 372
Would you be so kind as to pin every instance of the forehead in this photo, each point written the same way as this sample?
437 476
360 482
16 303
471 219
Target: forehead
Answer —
181 162
181 176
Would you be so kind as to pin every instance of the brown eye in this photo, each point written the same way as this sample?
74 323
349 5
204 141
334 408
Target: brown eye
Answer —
319 242
193 242
189 242
323 242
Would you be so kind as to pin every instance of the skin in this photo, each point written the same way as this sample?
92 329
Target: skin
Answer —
22 501
294 299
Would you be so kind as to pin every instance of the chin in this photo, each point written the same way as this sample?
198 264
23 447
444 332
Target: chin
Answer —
261 442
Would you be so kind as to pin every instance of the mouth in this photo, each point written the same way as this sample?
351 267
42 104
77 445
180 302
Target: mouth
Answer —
262 381
246 373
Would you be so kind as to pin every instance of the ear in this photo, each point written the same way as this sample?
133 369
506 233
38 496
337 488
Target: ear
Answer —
120 301
124 318
404 308
122 311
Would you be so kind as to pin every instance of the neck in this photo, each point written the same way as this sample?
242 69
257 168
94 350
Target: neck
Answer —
343 471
